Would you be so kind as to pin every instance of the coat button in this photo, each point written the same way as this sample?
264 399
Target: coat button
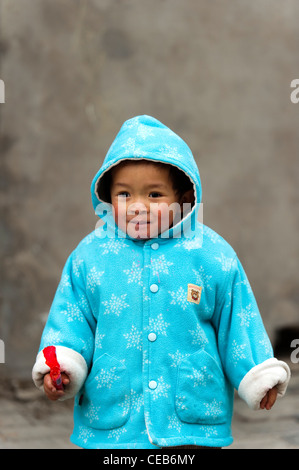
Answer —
154 288
155 246
152 384
152 337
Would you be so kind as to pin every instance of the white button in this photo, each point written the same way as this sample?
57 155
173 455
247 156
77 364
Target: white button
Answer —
152 337
155 246
152 385
154 288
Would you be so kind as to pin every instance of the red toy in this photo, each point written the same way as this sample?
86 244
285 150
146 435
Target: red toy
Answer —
51 361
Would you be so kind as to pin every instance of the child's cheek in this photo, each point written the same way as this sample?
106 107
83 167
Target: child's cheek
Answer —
120 216
165 218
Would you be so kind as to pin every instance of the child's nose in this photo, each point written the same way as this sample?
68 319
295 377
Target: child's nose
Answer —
137 208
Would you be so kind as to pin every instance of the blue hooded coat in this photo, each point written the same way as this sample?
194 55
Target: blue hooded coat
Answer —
156 334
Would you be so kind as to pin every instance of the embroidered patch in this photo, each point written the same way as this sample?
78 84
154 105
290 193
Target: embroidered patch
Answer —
194 293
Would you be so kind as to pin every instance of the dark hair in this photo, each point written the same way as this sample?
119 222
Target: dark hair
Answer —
180 181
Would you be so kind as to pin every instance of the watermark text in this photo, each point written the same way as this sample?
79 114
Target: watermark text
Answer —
2 352
2 91
295 93
295 353
144 222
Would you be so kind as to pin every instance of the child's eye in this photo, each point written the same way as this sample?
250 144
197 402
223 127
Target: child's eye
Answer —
123 194
155 194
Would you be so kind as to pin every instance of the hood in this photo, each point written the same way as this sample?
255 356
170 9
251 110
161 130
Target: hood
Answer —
145 138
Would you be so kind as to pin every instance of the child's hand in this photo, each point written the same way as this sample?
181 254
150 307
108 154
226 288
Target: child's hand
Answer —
269 399
50 390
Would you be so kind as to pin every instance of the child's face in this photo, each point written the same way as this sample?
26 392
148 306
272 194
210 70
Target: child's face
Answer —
141 194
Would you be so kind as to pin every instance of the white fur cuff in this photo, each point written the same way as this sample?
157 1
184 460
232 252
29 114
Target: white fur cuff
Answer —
71 362
262 378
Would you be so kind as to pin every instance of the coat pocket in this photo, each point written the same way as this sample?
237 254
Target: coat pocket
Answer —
201 396
106 397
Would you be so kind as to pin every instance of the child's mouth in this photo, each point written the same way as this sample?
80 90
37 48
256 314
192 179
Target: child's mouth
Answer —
139 222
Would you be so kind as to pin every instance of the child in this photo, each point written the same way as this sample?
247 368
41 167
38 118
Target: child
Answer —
154 320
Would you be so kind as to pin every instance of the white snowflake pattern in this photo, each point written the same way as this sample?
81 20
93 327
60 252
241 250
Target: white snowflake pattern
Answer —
246 315
160 265
134 274
179 297
245 283
144 131
53 337
237 352
158 325
106 378
129 146
126 405
226 263
174 423
177 357
92 413
115 305
131 123
213 409
199 337
202 279
145 295
171 153
98 340
147 417
116 433
131 149
85 434
134 338
89 238
213 236
135 400
228 297
112 246
189 243
211 431
161 390
76 266
73 313
83 302
94 279
200 376
64 283
180 402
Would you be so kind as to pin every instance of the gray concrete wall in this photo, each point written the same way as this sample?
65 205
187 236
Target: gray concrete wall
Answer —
217 72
